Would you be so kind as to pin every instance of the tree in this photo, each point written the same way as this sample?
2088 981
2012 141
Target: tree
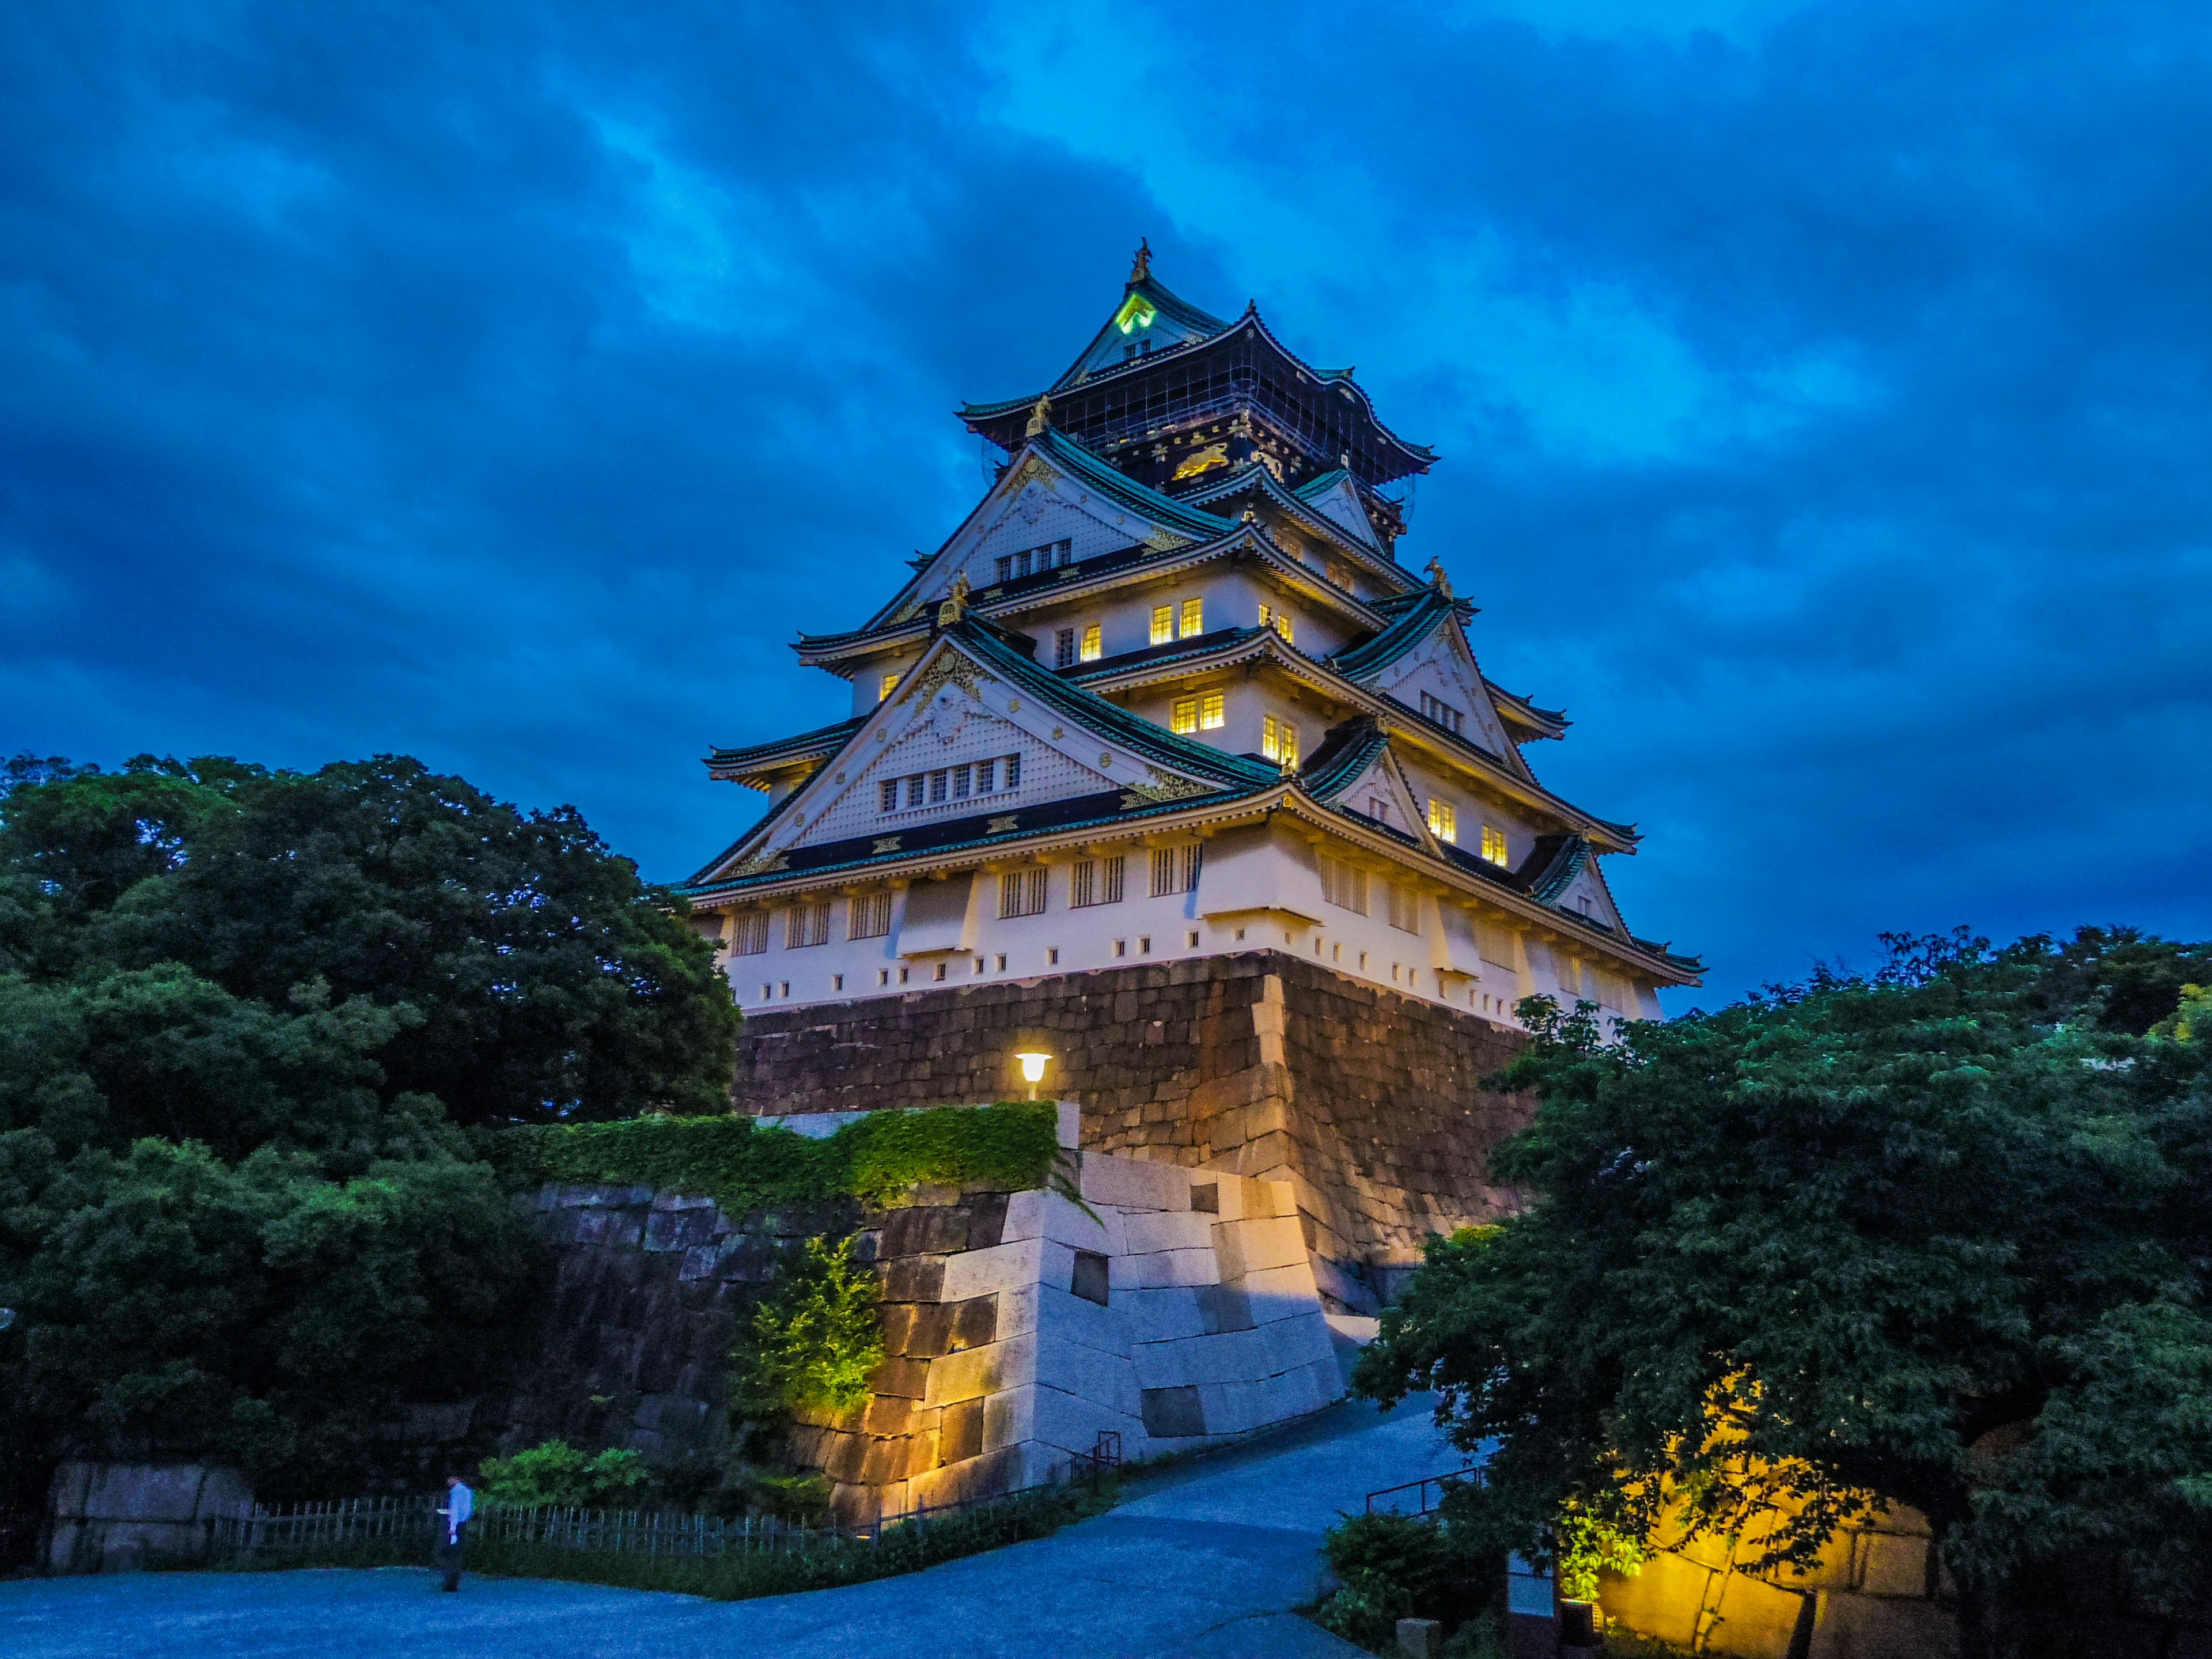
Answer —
526 972
243 1017
1927 1238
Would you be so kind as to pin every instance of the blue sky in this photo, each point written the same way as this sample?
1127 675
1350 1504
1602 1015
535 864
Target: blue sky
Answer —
1825 392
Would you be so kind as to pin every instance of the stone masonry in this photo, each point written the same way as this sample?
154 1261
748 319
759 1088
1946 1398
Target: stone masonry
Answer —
1370 1102
1169 1309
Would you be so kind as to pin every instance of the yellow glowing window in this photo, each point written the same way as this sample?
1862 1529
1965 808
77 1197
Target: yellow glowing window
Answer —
1493 844
1444 819
1183 717
1193 618
1210 717
1279 741
890 684
1094 646
1163 623
1278 619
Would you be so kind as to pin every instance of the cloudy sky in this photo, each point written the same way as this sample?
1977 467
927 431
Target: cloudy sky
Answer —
1825 392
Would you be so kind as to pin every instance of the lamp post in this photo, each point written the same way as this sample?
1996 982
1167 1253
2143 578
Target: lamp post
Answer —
1033 1065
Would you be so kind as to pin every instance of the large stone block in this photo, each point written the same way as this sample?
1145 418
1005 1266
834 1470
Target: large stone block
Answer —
1146 1230
1108 1381
1071 1318
1167 1267
981 1370
1131 1185
1006 1268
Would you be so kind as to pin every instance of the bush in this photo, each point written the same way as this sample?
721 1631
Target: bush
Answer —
556 1474
1398 1566
814 1340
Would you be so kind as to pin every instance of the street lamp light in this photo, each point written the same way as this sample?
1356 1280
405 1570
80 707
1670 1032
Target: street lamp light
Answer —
1033 1065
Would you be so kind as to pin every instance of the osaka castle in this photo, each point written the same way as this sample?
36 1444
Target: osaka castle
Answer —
1167 709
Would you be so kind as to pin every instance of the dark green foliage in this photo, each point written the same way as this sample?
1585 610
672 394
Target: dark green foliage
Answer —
556 1473
1400 1566
1011 1146
525 971
242 1014
1810 1250
813 1340
172 1304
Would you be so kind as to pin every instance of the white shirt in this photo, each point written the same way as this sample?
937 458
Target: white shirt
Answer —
460 1504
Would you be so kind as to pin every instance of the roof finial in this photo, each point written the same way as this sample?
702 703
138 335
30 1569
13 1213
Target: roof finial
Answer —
1442 582
1041 416
954 607
1141 269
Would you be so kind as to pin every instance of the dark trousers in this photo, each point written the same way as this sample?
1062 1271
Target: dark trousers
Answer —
448 1556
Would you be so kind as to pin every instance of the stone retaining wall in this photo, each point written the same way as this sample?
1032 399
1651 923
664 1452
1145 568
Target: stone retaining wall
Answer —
1369 1102
1170 1308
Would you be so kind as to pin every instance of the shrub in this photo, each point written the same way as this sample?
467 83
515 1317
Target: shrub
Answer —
814 1339
1398 1566
556 1474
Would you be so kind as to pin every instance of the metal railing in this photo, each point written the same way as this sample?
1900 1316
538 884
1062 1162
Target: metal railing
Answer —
298 1528
1472 1473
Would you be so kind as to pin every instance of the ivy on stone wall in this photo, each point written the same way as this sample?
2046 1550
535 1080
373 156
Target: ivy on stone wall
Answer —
1011 1147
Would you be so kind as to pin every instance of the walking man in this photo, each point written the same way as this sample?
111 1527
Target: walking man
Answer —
460 1504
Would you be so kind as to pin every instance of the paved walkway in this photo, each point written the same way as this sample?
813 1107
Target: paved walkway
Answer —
1203 1563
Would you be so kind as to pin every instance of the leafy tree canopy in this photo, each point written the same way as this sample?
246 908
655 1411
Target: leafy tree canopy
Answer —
1932 1236
245 1017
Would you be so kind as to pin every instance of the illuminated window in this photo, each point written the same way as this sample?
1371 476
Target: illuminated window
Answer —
1344 885
1210 717
748 933
1163 623
1493 844
1279 741
871 915
1096 881
1093 643
1193 618
1444 819
890 684
1278 619
1183 717
1021 892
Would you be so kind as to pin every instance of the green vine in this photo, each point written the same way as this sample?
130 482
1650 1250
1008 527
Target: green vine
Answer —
1011 1147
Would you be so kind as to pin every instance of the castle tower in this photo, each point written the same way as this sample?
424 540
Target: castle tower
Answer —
1164 765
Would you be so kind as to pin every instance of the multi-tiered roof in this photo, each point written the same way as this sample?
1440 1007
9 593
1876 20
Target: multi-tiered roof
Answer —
1179 612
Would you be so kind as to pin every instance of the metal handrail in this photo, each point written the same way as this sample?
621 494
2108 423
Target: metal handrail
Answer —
1471 1470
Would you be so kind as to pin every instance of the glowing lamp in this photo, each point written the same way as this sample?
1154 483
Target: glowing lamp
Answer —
1033 1065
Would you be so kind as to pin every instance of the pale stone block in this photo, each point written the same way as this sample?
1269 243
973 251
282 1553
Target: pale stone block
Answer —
1253 1246
1286 1199
1228 1407
1069 1124
1135 1185
1893 1566
1009 1418
1071 1318
1146 1230
1163 1267
1106 1379
1279 1292
1006 1268
1025 1216
1017 1311
1065 1223
1299 1340
1227 1357
1162 1364
984 1371
1161 1314
1071 1420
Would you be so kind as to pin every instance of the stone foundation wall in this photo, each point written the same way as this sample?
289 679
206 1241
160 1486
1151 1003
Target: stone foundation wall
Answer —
1169 1309
1370 1102
118 1517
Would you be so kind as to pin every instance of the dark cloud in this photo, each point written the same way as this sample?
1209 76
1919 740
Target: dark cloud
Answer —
1825 391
